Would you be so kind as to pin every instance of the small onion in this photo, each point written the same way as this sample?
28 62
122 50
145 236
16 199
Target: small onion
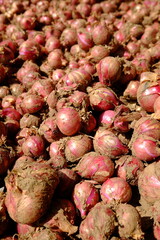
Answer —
116 189
68 121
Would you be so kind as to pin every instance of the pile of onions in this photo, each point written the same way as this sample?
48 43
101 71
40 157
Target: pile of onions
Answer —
80 95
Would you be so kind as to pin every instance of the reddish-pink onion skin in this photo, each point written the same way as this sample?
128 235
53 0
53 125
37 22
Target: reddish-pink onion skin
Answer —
29 103
42 87
129 168
95 166
156 231
11 113
68 121
77 146
147 94
147 126
23 229
29 50
107 143
33 146
145 148
149 184
56 148
68 37
102 99
85 196
109 70
116 189
52 99
84 39
77 79
106 118
79 99
52 43
90 228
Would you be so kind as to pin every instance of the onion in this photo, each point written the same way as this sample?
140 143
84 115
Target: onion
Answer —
102 99
90 228
29 120
106 118
100 34
148 127
77 79
127 213
57 148
145 148
68 121
11 113
95 166
147 94
33 146
42 87
116 189
8 101
107 143
109 70
98 52
85 196
131 90
49 129
148 184
129 168
29 50
156 107
68 37
84 39
77 146
6 55
29 103
61 216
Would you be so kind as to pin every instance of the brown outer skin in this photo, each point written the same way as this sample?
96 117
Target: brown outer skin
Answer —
41 234
99 223
149 183
126 213
29 191
60 217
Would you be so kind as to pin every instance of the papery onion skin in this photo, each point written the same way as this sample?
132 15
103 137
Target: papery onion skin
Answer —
145 148
107 143
68 121
109 70
116 189
85 196
90 228
95 166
